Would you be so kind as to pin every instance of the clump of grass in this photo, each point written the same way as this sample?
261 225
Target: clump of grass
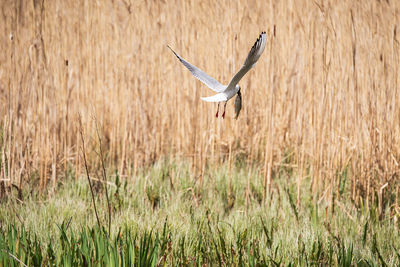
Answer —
191 229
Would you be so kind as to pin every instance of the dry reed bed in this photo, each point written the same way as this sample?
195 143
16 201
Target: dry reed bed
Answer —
324 97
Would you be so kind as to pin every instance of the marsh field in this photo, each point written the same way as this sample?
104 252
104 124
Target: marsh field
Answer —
109 157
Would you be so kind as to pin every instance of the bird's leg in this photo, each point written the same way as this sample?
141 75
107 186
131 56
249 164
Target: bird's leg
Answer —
216 115
223 114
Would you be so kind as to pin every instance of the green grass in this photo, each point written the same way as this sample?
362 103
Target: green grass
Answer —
164 216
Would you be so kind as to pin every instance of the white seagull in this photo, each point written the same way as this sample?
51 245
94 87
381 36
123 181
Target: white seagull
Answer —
226 92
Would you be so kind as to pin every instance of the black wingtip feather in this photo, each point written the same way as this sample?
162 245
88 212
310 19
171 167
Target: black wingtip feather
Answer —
258 39
175 53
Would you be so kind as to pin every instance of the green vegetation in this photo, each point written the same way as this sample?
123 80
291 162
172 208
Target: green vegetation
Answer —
166 216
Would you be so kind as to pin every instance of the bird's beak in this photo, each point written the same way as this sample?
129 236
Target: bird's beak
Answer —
238 105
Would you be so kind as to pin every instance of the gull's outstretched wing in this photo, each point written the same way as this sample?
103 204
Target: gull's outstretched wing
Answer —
201 75
253 56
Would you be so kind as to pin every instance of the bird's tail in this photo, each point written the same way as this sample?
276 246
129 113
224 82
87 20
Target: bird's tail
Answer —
215 98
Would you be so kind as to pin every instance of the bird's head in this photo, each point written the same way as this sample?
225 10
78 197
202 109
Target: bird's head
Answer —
238 102
237 87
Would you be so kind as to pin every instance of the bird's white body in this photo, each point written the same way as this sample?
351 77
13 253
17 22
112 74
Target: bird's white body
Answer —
226 92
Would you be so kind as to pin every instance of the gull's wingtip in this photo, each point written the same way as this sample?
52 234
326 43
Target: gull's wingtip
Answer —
174 52
262 34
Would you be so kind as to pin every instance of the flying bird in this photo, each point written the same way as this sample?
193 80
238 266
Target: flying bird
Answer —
226 92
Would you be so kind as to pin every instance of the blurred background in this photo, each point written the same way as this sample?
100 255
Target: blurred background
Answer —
323 101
